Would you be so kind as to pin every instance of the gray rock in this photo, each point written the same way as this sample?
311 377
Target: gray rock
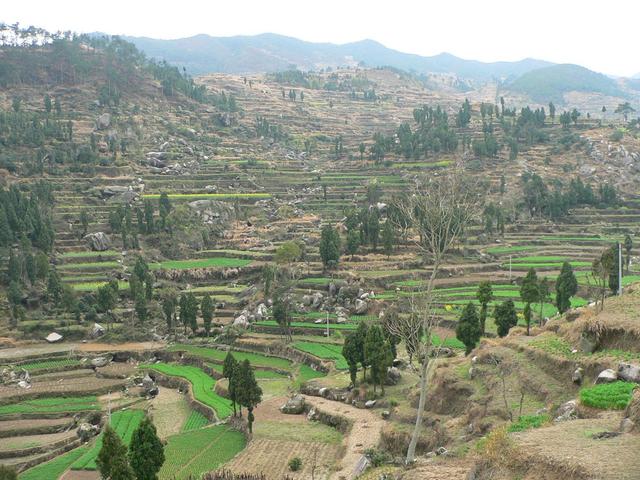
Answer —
393 376
588 342
606 376
98 242
566 411
441 451
241 321
97 330
370 404
306 300
386 414
361 307
323 392
100 362
629 372
627 425
578 376
332 289
53 337
103 121
294 406
87 431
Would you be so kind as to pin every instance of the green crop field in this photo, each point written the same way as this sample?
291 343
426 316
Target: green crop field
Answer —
93 286
307 373
213 196
52 469
510 249
89 266
124 422
325 351
216 445
195 421
221 262
47 364
89 254
201 383
608 396
315 326
214 354
52 405
260 374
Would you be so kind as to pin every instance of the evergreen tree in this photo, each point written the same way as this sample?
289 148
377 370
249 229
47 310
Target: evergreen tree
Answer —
485 295
148 217
230 370
360 337
54 288
388 238
206 308
112 459
146 451
5 229
378 355
529 293
468 329
566 287
282 315
47 103
628 246
164 208
140 306
506 317
353 242
249 392
329 246
352 355
169 303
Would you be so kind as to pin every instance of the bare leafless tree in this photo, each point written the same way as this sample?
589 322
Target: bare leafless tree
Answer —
438 211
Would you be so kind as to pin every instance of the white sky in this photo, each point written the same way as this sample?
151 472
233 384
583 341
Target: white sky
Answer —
601 35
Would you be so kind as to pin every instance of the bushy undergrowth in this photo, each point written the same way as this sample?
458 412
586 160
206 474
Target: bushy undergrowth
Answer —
526 422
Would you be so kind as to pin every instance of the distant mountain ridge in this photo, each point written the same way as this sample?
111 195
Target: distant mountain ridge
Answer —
271 52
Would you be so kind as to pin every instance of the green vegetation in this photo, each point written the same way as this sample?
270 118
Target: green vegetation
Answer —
218 196
56 467
526 422
215 445
256 359
201 383
220 262
316 326
324 351
52 405
50 364
608 396
195 421
306 373
94 286
124 422
259 373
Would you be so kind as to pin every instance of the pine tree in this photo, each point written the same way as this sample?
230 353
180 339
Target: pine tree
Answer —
146 452
282 315
164 208
54 288
112 459
329 246
468 329
229 370
360 337
628 246
249 392
529 293
506 317
566 287
378 354
206 308
388 238
351 354
485 295
140 306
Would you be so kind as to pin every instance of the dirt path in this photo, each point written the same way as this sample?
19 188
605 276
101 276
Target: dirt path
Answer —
32 349
365 433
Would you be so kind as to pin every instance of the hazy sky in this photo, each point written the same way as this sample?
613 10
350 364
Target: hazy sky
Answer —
601 35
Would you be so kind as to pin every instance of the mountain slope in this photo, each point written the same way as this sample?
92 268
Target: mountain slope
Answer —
270 52
551 83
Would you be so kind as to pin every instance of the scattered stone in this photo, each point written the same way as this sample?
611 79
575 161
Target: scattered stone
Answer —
577 376
53 337
323 391
627 425
629 372
361 307
393 376
294 406
370 404
606 376
100 362
441 451
103 121
588 342
97 330
567 411
98 242
386 414
87 431
604 435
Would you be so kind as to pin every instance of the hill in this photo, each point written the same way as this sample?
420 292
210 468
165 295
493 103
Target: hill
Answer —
270 52
551 83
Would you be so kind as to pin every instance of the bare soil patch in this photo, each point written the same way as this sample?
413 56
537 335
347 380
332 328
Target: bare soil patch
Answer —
170 410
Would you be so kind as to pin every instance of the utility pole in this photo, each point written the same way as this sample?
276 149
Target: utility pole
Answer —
619 268
327 324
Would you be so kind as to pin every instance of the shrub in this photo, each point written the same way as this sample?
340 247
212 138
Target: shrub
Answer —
295 464
608 396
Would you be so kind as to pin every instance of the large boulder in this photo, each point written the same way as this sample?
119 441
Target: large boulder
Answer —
606 376
578 376
294 406
588 342
241 321
361 307
98 242
99 362
629 372
103 121
393 376
567 411
87 431
53 337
